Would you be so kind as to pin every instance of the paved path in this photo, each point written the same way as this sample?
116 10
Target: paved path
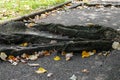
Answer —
103 16
100 67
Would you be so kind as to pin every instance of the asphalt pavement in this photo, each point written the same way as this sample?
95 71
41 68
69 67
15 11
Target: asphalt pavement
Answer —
99 66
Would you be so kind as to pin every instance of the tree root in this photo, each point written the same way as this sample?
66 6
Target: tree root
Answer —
72 38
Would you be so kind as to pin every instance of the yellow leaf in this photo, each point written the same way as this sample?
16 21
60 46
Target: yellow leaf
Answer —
10 57
57 58
85 54
41 70
24 44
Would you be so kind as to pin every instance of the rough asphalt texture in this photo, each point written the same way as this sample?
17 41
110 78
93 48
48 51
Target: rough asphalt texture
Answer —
100 67
108 17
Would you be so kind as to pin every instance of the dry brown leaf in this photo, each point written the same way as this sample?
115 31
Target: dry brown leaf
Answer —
85 71
94 51
25 56
63 53
46 53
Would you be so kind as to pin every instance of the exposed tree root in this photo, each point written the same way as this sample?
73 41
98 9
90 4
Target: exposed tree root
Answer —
68 38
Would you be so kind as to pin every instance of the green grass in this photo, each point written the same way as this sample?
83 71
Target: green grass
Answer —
13 8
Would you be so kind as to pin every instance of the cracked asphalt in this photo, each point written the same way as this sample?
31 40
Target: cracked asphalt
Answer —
100 67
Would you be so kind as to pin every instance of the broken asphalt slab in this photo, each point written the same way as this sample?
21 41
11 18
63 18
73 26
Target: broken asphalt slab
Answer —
100 67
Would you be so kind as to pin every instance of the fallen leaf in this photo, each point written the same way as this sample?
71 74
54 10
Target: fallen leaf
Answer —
106 53
57 58
73 77
94 51
85 71
11 61
24 55
63 53
14 63
36 53
68 56
33 64
33 57
30 25
40 53
47 13
43 16
70 4
49 75
23 61
99 54
24 44
3 56
116 45
41 70
91 53
46 53
85 54
11 57
89 24
37 17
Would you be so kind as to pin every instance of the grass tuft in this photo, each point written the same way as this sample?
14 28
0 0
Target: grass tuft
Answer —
13 8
